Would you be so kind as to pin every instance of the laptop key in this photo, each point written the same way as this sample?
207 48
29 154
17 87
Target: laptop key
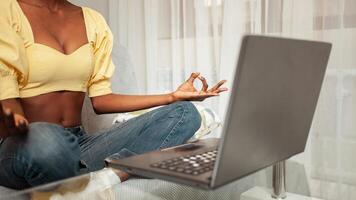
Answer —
192 164
172 168
179 169
155 165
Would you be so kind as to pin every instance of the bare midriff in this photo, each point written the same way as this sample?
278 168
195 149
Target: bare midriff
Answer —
63 108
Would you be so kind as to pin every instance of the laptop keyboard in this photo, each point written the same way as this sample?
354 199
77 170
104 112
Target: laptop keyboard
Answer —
193 164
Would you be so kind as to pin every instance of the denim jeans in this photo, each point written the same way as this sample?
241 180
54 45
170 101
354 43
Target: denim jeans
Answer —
50 152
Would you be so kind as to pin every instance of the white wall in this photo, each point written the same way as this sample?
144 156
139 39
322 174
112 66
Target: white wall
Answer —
100 5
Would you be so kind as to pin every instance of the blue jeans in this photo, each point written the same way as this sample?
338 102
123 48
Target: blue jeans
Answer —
50 152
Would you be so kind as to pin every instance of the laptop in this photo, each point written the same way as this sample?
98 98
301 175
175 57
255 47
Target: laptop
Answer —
273 98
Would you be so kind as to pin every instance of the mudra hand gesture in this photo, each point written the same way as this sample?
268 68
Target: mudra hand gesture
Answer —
13 124
188 92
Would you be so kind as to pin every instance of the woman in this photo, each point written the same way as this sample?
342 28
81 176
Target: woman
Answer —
51 54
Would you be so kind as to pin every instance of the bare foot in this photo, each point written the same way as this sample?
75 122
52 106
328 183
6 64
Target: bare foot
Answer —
123 175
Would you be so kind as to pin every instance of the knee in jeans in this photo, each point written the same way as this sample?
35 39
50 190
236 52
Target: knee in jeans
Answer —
55 160
52 151
192 116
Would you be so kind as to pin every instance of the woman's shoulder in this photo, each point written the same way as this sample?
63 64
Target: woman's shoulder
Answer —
6 3
10 15
94 16
8 8
97 26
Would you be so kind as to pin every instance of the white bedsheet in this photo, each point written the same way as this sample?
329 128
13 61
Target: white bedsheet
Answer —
104 185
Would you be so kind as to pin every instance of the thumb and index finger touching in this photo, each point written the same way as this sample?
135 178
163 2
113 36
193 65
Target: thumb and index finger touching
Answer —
193 76
217 88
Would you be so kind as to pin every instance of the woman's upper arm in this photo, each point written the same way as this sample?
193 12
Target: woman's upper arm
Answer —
13 60
99 83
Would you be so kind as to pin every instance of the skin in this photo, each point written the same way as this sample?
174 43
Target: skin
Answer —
60 25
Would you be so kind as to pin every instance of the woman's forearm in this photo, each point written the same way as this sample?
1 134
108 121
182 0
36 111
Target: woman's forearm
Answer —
115 103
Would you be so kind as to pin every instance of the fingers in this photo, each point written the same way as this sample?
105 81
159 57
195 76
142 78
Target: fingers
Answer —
217 86
2 114
14 123
215 89
193 76
202 98
10 121
202 95
21 123
23 126
219 90
205 84
3 129
188 92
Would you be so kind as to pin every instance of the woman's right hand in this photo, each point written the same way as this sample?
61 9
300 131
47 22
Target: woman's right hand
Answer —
11 123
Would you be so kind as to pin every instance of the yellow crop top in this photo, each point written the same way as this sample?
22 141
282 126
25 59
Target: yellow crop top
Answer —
28 69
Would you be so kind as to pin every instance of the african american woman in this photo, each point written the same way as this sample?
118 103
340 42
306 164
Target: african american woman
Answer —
51 54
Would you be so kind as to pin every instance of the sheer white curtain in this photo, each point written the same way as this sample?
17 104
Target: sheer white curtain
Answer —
163 41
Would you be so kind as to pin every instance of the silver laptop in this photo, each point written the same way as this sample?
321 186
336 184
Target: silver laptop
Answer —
273 98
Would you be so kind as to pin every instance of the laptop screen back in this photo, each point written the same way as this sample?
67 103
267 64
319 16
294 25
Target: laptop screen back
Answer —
273 99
